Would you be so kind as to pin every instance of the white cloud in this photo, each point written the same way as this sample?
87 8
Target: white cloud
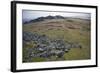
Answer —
32 14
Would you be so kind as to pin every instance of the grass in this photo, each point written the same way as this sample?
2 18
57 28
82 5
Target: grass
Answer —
38 59
81 36
77 54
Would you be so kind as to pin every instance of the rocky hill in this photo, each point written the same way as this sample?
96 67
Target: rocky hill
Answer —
48 39
44 18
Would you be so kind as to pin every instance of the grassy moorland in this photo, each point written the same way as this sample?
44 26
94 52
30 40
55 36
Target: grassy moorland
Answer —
72 30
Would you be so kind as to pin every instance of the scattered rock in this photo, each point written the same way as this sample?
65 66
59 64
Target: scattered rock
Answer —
47 47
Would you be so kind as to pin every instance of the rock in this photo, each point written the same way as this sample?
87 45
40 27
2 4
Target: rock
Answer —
45 47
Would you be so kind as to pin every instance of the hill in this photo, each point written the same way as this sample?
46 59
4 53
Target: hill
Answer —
72 30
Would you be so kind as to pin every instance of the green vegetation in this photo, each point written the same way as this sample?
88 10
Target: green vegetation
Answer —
80 33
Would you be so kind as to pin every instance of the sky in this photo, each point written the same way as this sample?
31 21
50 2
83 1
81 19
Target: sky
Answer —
28 15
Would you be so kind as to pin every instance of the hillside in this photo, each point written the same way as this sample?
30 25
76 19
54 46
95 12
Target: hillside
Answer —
68 30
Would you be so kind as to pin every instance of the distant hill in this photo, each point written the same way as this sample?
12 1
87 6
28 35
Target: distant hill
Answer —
44 18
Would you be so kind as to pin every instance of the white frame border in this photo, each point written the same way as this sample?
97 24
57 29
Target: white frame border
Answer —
21 65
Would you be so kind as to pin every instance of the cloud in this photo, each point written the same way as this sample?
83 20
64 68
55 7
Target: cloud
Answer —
32 14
